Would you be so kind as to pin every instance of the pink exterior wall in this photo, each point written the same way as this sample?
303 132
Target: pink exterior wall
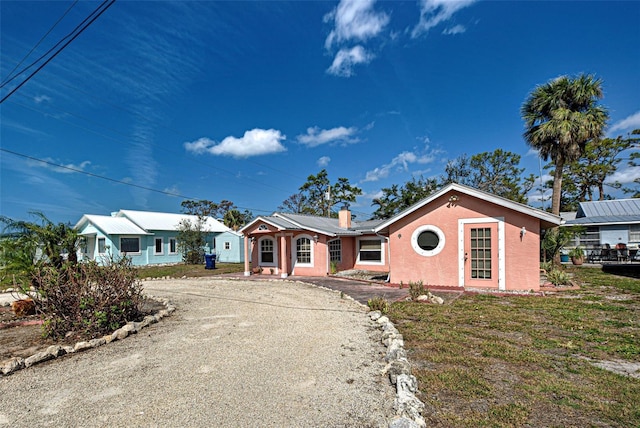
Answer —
522 270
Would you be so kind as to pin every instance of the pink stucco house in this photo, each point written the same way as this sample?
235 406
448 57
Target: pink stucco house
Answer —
458 236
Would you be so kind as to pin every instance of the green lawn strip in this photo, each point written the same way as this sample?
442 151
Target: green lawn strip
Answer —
515 361
190 271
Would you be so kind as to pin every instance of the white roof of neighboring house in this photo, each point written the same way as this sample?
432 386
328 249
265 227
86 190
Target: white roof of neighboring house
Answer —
110 225
149 220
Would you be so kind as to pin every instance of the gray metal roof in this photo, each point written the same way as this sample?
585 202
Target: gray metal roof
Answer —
618 211
326 225
613 208
602 220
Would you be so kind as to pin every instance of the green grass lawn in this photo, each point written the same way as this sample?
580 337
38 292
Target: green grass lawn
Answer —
516 361
180 270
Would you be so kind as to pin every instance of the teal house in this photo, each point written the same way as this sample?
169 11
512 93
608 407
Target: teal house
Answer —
150 238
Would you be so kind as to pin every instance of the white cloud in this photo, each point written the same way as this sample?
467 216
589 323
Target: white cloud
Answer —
255 142
53 165
174 190
434 12
628 123
355 20
346 59
456 29
316 136
41 98
625 176
400 163
323 161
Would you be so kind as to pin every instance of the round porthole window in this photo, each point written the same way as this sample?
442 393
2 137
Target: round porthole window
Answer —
427 240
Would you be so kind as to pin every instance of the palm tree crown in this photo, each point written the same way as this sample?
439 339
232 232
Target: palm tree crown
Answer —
560 117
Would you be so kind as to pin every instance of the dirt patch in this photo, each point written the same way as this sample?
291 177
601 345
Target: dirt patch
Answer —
24 336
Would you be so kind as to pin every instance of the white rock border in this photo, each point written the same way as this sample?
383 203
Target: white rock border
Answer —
54 351
408 406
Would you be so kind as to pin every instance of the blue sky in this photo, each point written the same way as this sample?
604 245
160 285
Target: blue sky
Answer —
243 100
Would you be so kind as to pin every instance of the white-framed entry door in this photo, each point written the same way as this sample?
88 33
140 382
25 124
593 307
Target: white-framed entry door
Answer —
481 257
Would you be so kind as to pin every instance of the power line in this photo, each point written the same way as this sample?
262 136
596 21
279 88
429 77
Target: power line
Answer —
217 168
113 180
4 82
108 4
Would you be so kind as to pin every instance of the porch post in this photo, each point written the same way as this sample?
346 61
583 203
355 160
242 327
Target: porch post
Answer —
284 260
247 255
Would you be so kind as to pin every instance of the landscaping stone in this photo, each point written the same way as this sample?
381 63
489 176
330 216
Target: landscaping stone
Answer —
81 346
55 351
13 365
38 358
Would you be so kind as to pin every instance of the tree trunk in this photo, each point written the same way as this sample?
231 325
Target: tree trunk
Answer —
557 186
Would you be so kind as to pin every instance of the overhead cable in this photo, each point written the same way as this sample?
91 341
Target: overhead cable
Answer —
98 11
9 78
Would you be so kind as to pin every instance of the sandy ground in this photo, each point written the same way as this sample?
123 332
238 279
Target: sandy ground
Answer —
234 354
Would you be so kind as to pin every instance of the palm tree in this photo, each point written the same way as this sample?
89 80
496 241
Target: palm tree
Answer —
561 116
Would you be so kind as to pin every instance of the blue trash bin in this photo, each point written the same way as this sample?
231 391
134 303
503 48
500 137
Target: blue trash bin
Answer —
210 261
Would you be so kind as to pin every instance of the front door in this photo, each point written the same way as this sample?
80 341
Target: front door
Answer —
481 264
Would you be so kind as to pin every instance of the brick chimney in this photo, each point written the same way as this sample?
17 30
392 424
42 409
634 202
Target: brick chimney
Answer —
344 218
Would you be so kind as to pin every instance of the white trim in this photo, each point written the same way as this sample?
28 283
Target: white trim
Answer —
294 251
428 228
329 249
175 240
98 245
470 191
501 248
131 252
275 251
155 248
370 262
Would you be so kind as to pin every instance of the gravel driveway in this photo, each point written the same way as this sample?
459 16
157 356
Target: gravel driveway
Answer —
234 354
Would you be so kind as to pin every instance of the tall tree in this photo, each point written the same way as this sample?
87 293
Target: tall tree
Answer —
598 163
634 161
317 195
316 192
498 172
395 199
295 204
561 117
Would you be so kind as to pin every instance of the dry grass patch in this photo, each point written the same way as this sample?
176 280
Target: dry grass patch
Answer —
513 361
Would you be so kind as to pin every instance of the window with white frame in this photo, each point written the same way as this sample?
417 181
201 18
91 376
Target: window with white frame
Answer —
427 240
370 251
227 245
303 250
335 250
102 245
266 250
130 245
158 246
173 246
634 233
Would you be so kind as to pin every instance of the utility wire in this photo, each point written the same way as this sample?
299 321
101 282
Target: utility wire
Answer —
105 5
9 78
173 152
102 177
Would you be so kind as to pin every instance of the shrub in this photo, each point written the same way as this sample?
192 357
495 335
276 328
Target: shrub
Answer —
558 277
333 267
86 298
416 289
378 304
